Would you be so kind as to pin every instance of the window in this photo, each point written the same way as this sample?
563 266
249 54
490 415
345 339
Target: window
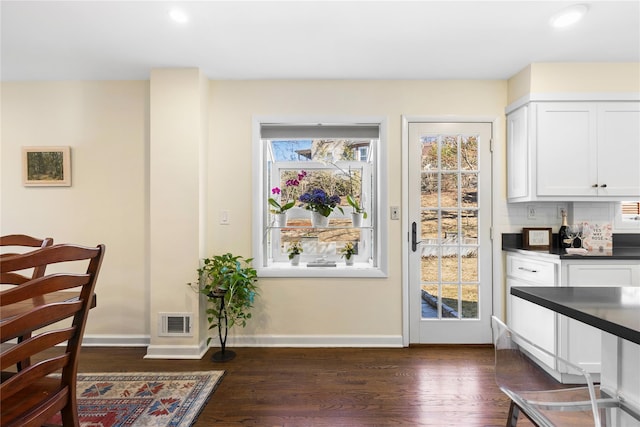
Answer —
341 158
627 215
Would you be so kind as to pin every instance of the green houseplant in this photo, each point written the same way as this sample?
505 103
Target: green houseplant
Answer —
229 282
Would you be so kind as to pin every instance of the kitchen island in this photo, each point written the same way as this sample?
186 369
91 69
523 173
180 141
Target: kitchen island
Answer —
616 312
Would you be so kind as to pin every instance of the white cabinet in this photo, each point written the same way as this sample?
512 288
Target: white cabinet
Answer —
530 320
578 342
573 151
570 339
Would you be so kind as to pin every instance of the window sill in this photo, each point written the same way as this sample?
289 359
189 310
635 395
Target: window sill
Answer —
285 269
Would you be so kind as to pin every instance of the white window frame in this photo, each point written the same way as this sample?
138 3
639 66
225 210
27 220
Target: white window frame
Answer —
260 210
620 222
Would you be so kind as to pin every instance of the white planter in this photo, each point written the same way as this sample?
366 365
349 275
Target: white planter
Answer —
349 261
318 220
356 219
295 260
280 219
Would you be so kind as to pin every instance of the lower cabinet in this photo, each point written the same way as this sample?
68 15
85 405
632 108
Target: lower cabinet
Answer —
580 343
535 323
567 338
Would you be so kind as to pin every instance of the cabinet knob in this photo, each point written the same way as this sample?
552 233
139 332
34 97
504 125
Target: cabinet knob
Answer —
595 185
603 186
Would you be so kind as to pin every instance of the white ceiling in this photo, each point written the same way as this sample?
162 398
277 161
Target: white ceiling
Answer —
89 40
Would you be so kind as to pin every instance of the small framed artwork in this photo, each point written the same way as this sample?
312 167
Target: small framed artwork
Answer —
46 166
536 238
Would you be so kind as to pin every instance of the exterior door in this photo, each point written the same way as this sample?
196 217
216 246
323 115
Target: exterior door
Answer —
450 280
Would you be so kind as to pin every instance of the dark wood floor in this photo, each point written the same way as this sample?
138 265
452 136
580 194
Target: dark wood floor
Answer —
416 386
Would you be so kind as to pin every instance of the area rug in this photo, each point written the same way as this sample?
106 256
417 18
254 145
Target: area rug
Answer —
143 399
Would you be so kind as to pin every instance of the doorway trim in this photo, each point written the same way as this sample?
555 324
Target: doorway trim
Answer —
497 288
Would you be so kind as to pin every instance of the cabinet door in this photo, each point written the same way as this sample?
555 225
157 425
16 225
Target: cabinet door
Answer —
566 151
535 323
518 156
619 149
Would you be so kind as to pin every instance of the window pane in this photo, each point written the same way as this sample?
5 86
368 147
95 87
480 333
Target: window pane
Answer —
449 190
470 301
449 153
469 262
430 304
429 225
450 298
429 190
429 265
449 227
469 221
449 264
469 153
469 189
429 153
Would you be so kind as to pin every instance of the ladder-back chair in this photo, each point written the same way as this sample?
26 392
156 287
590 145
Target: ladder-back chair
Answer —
31 396
23 243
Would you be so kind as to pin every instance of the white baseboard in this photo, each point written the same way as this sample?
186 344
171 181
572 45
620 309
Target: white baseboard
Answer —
381 341
115 340
197 352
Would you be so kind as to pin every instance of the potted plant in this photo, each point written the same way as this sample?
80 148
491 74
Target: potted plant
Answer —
295 249
321 205
229 282
358 213
347 251
287 197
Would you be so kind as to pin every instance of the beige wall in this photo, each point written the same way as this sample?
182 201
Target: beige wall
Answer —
116 199
567 77
105 123
358 308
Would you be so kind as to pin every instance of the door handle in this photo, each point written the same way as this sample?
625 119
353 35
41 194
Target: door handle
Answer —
414 237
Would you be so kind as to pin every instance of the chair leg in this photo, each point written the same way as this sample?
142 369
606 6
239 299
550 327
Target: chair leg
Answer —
514 412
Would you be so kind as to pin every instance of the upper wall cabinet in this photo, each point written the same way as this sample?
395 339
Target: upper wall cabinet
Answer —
574 151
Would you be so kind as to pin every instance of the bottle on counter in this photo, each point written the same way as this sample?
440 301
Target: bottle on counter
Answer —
563 234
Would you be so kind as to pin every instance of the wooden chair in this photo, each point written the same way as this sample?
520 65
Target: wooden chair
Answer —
22 241
30 397
539 396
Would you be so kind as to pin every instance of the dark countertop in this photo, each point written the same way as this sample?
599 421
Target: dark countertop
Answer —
615 310
625 247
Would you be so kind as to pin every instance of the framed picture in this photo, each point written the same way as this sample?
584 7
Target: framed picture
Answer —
46 166
536 238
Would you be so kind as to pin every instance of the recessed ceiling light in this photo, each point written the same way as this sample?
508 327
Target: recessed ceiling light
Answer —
568 16
178 16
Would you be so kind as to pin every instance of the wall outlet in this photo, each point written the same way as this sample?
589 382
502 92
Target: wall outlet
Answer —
531 212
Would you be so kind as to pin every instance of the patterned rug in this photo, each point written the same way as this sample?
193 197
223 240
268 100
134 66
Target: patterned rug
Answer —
143 399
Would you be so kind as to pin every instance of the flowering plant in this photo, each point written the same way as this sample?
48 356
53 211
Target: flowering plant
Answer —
295 249
356 206
287 195
317 200
348 250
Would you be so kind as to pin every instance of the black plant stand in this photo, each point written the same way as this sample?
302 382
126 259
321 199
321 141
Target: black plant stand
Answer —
223 355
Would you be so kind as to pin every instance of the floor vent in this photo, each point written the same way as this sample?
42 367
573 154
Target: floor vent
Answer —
175 325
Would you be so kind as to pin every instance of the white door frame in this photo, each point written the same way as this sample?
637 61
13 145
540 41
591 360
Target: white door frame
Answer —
497 288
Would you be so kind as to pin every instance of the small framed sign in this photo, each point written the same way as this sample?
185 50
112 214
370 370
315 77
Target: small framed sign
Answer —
46 166
536 238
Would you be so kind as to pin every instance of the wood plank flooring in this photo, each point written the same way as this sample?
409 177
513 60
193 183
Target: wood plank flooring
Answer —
415 386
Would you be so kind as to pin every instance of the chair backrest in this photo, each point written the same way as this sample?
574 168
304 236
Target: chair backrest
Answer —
22 241
529 384
65 320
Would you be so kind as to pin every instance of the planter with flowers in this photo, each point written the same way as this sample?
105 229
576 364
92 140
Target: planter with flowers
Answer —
348 251
295 249
287 197
358 213
321 205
